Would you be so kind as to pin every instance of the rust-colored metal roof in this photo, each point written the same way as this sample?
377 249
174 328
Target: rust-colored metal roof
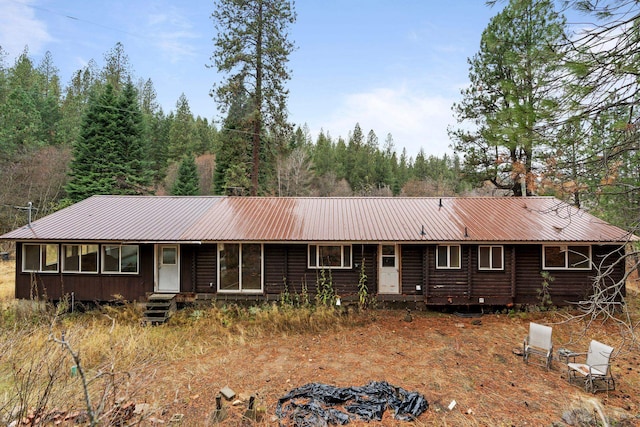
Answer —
320 219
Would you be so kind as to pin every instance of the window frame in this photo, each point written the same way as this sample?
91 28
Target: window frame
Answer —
448 260
80 253
491 267
103 257
42 252
566 249
240 290
315 265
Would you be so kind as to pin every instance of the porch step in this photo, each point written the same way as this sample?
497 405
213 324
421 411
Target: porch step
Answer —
159 308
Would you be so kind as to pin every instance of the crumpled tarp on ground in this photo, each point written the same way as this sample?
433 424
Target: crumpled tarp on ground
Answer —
315 404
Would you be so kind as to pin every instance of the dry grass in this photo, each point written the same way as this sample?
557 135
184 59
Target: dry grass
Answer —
179 368
7 280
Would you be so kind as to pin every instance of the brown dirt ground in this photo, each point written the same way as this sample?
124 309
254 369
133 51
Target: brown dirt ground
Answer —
443 356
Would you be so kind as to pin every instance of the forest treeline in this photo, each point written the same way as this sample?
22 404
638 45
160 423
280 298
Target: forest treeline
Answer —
55 135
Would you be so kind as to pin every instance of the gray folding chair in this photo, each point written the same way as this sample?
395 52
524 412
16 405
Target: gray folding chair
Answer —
595 373
538 343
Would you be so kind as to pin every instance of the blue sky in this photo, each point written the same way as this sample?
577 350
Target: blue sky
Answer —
392 66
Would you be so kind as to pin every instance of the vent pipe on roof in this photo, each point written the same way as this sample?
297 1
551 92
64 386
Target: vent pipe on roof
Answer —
466 233
422 232
440 203
27 208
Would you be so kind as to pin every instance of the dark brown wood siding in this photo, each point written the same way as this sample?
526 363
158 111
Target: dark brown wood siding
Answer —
87 287
412 269
565 286
206 259
285 268
287 265
443 284
492 285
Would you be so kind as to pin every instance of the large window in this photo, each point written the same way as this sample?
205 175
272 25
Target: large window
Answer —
80 258
40 258
490 258
448 256
240 267
566 257
120 259
329 256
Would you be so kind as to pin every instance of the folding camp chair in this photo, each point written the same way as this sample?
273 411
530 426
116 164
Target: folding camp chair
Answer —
538 343
596 371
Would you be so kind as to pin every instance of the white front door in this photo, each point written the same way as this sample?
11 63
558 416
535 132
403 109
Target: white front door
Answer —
389 271
168 268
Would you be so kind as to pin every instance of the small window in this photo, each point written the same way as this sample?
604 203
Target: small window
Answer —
566 257
80 258
388 255
490 258
120 259
448 256
329 256
169 256
40 258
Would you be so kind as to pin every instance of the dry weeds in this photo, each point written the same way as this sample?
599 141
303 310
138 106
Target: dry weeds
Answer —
178 369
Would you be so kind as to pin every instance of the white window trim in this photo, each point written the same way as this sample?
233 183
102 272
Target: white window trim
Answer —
566 249
448 266
80 270
241 290
42 246
102 258
491 267
325 267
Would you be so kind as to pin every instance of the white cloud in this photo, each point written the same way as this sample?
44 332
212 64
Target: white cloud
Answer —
414 120
173 34
19 28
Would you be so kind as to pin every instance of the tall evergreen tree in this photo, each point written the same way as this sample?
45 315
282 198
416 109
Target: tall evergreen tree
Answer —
75 102
187 181
182 133
108 157
94 168
135 174
50 95
323 155
233 154
253 48
20 115
117 69
599 162
512 97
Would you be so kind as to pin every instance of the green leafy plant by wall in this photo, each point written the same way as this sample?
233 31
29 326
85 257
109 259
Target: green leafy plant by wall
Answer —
363 291
545 302
326 294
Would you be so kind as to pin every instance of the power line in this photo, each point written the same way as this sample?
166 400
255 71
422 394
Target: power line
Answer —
74 18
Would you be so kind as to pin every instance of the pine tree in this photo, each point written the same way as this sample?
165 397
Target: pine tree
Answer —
233 156
513 95
187 180
252 46
182 138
